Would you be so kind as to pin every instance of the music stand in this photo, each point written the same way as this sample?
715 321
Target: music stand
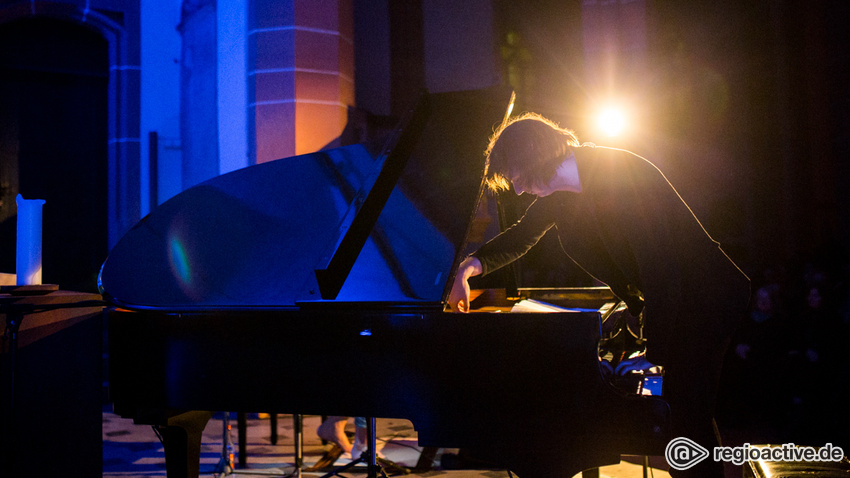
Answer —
369 456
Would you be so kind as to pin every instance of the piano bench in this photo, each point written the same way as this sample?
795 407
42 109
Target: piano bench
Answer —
796 469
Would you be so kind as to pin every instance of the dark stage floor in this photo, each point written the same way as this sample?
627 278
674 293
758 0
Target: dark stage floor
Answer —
134 451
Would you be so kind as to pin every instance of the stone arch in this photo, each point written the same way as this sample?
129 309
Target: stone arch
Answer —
123 159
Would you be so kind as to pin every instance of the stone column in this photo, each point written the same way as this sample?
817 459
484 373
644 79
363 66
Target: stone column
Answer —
300 75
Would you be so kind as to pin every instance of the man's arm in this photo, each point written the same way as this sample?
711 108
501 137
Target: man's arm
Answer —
515 241
500 251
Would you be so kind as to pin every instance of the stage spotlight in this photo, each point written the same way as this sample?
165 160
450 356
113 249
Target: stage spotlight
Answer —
611 121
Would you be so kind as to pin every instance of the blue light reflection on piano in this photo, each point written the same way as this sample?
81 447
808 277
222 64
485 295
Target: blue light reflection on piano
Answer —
401 259
246 238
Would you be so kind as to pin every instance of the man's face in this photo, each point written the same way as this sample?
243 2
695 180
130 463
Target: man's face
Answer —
523 184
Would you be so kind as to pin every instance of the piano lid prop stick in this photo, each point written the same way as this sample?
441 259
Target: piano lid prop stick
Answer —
28 250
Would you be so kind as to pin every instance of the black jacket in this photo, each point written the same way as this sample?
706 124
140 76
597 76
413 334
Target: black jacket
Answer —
629 228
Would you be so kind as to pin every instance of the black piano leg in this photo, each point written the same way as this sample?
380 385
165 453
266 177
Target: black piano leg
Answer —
181 438
242 434
298 431
273 425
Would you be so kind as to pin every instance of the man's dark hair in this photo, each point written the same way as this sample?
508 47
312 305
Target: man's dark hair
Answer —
529 146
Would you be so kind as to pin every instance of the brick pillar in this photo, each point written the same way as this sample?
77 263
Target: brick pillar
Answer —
300 75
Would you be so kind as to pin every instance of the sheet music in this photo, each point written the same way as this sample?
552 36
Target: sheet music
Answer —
531 305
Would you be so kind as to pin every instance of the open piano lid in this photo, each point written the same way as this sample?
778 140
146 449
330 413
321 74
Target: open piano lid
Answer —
349 225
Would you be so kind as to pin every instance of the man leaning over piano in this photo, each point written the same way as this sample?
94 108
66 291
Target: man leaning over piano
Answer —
618 217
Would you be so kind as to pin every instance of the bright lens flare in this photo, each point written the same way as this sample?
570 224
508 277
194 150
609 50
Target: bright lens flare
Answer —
612 121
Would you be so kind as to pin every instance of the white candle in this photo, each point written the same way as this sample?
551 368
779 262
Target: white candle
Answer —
28 265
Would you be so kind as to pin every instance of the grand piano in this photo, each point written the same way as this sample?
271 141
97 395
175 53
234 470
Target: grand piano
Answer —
317 284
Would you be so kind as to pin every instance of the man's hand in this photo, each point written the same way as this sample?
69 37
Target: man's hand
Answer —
459 295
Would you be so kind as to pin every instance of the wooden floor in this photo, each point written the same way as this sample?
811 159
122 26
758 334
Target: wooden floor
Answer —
134 451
